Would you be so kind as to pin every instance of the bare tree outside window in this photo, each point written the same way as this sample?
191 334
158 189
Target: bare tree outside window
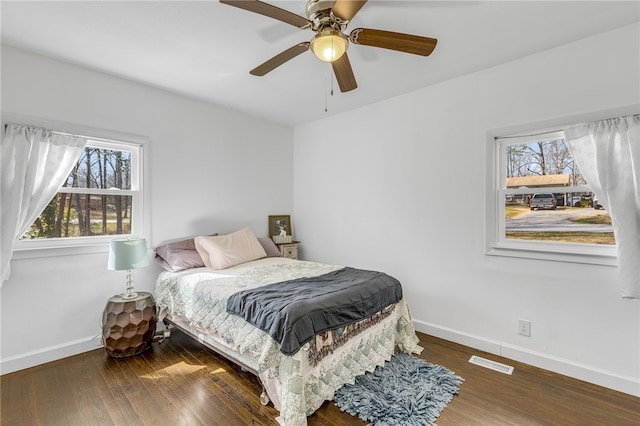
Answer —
89 203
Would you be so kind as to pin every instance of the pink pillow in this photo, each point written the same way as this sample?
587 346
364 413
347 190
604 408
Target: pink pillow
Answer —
224 251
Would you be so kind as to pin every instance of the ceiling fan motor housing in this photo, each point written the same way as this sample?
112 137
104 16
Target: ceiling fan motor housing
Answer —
319 13
314 6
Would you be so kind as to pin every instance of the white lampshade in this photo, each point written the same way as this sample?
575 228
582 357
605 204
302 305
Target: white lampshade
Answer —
127 253
329 45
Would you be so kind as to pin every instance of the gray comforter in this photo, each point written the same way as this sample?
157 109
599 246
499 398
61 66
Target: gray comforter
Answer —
294 311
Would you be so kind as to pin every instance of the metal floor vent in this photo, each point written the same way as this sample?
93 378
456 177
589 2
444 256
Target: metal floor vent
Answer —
493 365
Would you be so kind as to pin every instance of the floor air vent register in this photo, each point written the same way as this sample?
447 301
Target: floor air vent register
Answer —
492 365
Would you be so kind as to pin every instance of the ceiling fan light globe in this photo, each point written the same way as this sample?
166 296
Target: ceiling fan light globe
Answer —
329 47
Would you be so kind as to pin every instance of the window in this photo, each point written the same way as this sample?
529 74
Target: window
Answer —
543 208
101 198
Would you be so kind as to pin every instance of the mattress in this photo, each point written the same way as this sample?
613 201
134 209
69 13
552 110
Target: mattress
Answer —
298 384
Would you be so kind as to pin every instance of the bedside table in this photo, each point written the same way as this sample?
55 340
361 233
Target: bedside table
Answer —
289 250
128 325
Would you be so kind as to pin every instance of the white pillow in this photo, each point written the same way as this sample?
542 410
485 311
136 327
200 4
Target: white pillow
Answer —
224 251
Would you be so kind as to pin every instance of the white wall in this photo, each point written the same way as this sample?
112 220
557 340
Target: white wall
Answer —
380 195
209 170
402 187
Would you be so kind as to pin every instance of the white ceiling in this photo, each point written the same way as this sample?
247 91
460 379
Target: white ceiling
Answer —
204 49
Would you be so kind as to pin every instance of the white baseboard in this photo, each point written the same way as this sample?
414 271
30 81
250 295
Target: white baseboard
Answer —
626 384
51 353
629 385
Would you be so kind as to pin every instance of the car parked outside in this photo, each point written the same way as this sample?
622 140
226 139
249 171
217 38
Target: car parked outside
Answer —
574 201
580 201
596 204
543 201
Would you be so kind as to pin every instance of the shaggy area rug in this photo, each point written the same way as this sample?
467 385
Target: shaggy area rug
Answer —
407 391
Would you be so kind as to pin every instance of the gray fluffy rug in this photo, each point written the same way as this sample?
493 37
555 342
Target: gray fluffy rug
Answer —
406 391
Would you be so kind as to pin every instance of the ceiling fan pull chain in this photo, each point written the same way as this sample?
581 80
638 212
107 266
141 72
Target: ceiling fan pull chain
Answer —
331 78
325 97
328 87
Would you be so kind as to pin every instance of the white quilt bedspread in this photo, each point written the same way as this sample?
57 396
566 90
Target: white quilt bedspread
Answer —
199 296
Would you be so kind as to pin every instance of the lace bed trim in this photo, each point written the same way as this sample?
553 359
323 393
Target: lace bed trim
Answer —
326 342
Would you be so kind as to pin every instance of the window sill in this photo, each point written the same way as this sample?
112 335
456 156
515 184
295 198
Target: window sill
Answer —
587 254
61 250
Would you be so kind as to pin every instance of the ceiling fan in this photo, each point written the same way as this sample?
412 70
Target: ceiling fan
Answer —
329 19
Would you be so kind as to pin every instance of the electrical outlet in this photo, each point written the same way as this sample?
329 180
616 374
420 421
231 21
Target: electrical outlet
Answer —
524 327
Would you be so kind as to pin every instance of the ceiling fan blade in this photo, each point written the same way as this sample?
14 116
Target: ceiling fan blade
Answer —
344 73
347 9
280 59
395 41
270 11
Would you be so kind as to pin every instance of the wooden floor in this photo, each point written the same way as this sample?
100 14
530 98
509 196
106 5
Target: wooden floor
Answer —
179 382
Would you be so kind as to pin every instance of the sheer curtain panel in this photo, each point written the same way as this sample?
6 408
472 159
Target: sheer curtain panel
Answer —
34 164
608 155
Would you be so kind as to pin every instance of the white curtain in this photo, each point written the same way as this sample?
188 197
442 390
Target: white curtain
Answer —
608 156
33 166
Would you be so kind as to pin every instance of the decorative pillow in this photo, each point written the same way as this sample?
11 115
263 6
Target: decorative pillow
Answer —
179 255
269 247
224 251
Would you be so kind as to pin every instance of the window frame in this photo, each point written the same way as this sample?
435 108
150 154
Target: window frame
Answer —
99 138
496 242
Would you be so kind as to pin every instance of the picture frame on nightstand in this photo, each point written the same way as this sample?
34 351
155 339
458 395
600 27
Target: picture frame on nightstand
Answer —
280 226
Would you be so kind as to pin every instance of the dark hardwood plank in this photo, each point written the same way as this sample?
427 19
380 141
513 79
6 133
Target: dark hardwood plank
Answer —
530 396
83 407
232 387
180 382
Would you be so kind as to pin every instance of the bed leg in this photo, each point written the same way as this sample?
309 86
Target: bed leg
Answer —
161 336
264 398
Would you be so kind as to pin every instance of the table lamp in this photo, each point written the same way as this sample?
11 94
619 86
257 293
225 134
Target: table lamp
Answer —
128 253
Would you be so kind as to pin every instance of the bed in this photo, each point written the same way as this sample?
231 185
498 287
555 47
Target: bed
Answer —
297 382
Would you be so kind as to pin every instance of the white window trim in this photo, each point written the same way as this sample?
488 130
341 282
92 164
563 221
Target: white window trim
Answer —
37 248
497 245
